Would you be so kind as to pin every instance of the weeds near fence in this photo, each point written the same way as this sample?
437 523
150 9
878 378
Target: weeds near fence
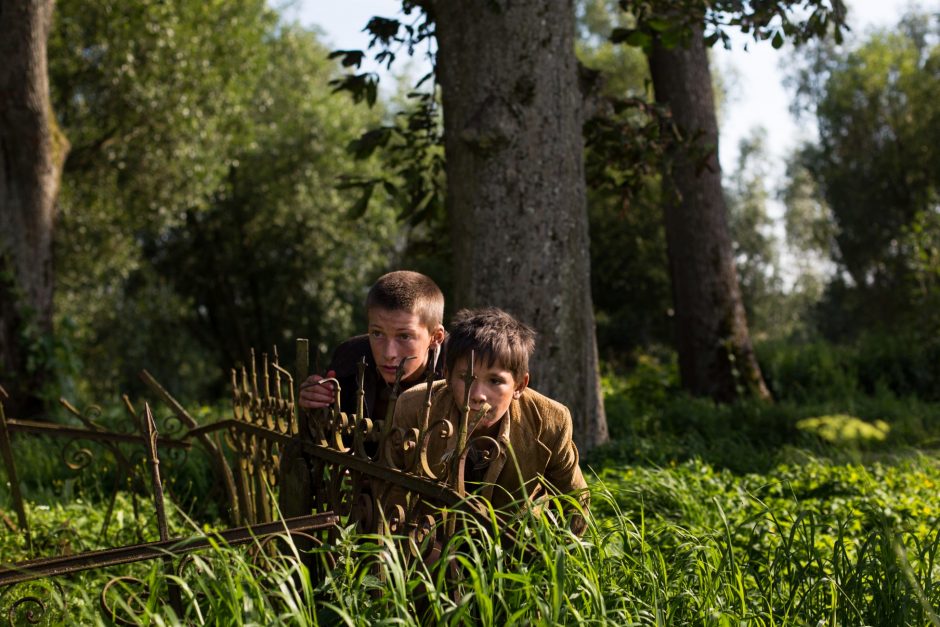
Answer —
672 546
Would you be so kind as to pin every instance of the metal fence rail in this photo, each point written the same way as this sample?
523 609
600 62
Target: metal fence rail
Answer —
322 468
67 565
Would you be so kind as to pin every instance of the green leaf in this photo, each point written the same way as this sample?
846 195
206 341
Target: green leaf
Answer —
777 41
359 209
619 35
631 37
658 24
361 86
350 58
363 147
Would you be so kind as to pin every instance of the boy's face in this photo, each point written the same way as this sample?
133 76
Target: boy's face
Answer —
494 385
397 334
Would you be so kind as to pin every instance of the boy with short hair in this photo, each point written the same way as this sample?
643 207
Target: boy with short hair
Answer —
534 430
405 311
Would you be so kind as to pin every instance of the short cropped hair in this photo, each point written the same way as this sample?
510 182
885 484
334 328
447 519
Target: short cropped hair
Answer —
494 336
414 292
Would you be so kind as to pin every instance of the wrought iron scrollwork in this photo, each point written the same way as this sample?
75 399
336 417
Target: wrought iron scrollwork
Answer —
381 476
76 457
33 603
130 605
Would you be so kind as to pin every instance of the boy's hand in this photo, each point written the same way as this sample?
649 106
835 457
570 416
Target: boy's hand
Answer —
314 395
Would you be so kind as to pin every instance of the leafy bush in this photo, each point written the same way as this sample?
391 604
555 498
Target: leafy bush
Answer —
652 421
844 429
634 397
904 364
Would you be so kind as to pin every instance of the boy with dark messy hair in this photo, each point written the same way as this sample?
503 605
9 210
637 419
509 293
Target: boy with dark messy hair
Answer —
405 311
533 430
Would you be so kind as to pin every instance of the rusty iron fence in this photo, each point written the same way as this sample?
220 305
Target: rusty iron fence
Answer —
375 474
321 469
123 449
32 608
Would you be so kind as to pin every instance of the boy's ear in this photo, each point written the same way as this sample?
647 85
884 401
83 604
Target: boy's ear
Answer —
437 335
521 386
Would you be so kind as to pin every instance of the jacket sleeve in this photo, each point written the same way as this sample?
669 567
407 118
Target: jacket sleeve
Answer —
563 473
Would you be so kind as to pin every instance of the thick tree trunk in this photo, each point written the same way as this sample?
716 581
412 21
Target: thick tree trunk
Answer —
715 354
515 185
32 152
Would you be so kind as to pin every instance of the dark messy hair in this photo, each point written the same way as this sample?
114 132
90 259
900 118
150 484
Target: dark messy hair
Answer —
413 292
494 336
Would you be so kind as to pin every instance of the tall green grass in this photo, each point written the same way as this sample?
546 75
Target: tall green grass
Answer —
701 515
809 543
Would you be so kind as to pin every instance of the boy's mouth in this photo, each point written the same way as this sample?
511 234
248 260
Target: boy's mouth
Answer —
391 369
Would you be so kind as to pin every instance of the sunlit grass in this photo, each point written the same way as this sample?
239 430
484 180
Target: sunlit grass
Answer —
701 515
811 543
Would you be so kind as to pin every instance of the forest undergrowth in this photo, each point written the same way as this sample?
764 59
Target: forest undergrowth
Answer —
803 512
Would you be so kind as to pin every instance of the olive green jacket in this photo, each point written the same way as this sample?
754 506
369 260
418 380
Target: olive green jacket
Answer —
540 453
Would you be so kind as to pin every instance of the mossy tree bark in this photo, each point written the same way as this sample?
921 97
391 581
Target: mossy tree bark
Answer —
716 358
32 153
515 185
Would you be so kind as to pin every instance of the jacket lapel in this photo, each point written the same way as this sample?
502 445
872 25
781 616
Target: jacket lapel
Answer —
525 461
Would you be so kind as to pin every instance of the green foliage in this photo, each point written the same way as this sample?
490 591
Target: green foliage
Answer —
652 421
413 146
624 150
806 371
772 311
806 542
627 149
200 208
152 96
73 525
309 262
902 365
669 22
702 514
409 144
873 381
55 470
634 399
874 163
842 429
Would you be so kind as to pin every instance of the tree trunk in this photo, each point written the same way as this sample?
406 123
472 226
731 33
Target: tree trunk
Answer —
715 354
32 152
515 185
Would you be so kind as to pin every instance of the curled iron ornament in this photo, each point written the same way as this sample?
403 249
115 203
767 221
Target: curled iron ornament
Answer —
171 426
30 616
87 416
424 539
30 608
445 430
197 562
76 458
130 600
178 456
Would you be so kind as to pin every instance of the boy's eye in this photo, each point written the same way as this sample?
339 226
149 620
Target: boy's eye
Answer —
404 336
375 333
497 381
